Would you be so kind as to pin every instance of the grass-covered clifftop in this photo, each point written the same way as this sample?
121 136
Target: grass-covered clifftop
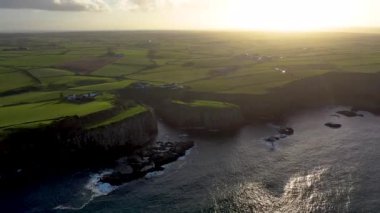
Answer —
206 104
201 115
121 116
34 114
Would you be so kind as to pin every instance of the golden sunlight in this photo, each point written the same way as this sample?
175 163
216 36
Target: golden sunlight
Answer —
291 15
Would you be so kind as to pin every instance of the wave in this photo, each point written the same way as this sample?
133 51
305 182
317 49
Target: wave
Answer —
187 153
96 189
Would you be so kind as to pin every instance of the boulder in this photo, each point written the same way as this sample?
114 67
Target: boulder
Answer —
333 125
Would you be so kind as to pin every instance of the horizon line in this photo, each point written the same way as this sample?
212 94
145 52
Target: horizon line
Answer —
343 29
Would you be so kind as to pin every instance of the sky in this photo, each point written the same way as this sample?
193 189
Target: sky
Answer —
282 15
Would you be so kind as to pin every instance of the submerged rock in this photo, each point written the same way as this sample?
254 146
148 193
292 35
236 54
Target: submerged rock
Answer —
348 113
286 131
271 139
333 125
283 133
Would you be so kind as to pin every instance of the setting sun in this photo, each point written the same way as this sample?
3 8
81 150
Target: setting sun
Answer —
291 15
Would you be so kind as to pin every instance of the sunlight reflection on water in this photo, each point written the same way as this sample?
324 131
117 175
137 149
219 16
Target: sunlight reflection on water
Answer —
315 191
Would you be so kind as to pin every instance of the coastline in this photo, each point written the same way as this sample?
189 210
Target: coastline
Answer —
357 90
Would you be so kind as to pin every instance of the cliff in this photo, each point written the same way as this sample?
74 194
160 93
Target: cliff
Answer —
359 90
68 144
134 131
201 115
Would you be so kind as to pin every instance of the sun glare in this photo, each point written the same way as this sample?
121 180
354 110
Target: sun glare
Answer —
291 15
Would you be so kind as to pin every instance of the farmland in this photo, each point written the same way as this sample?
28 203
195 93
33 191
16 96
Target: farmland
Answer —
121 116
207 104
51 66
45 111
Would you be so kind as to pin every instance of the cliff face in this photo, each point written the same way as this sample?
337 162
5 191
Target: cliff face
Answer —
201 118
66 145
134 131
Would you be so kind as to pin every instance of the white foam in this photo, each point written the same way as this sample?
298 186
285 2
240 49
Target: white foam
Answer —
186 154
96 188
154 174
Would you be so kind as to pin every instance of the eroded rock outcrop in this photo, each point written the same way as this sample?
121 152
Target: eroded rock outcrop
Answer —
148 159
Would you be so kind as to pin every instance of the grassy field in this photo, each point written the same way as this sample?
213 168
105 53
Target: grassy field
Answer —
49 72
128 113
38 113
73 81
15 80
28 97
105 86
216 62
206 103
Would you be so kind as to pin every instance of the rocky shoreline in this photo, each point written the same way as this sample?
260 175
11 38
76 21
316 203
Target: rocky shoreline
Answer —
148 159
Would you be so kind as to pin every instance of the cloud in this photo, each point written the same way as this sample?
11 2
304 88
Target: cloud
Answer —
56 5
149 5
106 5
138 5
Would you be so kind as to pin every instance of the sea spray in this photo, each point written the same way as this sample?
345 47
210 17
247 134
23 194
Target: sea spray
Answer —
96 189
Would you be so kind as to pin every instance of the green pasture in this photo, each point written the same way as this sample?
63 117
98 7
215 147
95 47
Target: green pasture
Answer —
49 72
15 80
206 104
130 112
34 60
74 81
42 112
29 97
44 96
172 73
117 70
105 86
